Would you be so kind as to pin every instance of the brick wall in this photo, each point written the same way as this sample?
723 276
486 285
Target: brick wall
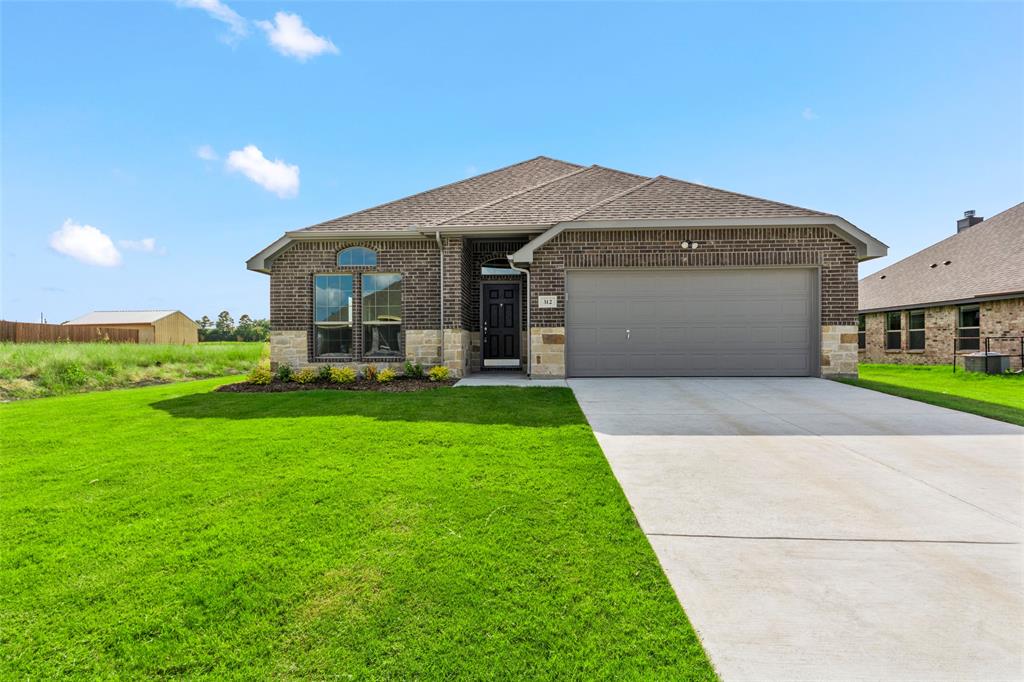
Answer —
291 282
742 247
998 318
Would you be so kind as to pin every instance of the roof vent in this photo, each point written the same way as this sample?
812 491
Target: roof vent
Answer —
946 262
969 220
882 277
934 265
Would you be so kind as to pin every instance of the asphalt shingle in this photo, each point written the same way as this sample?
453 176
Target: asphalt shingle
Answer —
984 260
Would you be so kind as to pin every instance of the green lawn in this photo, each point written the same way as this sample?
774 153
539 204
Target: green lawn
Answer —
995 396
454 533
34 370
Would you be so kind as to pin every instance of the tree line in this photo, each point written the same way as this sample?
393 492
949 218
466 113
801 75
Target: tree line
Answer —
225 329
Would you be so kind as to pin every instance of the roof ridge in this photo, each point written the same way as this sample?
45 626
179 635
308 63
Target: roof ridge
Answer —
613 197
433 189
617 170
581 169
746 196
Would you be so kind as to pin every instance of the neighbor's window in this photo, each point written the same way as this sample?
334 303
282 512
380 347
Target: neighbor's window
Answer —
382 315
915 329
969 327
357 256
332 315
893 327
862 332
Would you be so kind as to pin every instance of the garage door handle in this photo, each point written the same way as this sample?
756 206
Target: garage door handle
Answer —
627 335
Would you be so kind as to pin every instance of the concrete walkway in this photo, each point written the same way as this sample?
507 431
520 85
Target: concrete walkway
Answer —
508 379
817 531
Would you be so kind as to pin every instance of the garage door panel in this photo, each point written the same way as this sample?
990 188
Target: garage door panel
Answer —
690 323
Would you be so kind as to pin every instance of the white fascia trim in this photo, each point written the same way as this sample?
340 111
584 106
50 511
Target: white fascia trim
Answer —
867 246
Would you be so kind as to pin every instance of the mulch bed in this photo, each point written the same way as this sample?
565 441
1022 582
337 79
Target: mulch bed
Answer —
398 385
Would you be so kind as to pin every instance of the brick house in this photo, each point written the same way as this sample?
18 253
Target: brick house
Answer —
968 286
558 269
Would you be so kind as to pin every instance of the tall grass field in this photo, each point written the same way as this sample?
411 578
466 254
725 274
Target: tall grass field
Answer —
37 370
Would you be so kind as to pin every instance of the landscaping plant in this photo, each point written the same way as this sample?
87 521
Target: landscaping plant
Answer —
413 370
343 375
386 375
306 375
284 372
261 374
438 373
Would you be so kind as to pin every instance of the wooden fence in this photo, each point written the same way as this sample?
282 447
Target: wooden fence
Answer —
31 332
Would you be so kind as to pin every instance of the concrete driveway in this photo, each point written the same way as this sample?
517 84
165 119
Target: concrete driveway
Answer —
817 531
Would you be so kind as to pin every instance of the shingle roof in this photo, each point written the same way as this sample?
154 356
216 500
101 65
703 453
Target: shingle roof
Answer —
545 191
665 198
435 206
552 202
984 260
121 317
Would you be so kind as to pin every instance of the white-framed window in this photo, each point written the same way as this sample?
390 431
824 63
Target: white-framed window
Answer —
332 315
357 257
382 315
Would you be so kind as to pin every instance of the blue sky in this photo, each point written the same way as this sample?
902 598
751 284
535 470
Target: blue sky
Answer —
896 116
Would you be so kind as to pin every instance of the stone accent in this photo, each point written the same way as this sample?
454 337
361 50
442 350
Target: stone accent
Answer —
288 347
998 318
838 350
423 346
548 351
457 351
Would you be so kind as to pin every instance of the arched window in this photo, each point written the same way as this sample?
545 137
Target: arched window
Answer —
497 266
357 256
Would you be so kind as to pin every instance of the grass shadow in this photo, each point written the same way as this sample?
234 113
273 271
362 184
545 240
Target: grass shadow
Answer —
981 408
530 407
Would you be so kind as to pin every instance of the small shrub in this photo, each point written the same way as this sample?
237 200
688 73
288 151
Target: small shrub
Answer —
70 374
325 373
343 375
370 372
413 370
306 376
261 374
439 373
284 372
386 375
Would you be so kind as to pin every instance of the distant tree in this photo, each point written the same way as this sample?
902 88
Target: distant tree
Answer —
204 327
225 325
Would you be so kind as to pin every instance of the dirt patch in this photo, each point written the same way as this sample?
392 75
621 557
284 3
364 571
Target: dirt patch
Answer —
398 385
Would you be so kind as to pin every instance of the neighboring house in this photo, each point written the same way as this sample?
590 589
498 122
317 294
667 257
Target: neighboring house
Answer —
560 269
154 326
968 286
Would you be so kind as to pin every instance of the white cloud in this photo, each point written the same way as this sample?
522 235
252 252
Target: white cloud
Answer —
237 24
85 243
274 176
808 114
147 245
206 153
289 36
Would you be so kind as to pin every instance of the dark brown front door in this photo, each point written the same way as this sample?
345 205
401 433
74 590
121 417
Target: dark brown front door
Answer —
499 324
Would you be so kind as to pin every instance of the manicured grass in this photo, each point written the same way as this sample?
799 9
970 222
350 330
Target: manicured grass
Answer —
34 370
453 533
995 396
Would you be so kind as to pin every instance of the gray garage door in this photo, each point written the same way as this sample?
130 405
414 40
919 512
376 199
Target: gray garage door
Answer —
754 322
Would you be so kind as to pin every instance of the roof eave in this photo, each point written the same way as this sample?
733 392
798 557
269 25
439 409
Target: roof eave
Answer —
867 246
981 298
